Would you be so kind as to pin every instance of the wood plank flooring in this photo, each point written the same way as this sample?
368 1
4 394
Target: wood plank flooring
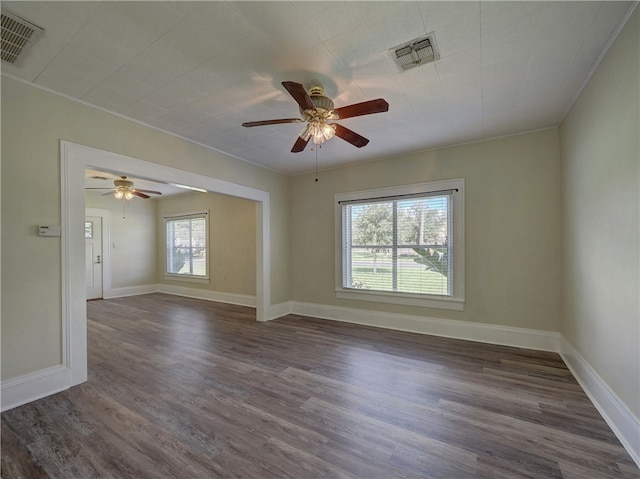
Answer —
182 388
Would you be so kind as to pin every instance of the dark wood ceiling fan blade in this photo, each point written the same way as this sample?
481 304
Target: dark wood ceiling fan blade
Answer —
108 193
272 122
107 188
141 195
350 136
153 192
299 94
299 145
365 108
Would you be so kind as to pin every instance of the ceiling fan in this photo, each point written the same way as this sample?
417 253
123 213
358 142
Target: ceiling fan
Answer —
316 110
124 189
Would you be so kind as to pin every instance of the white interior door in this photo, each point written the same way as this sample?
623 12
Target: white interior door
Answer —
93 256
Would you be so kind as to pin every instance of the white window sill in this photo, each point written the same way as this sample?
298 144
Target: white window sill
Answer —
455 304
186 279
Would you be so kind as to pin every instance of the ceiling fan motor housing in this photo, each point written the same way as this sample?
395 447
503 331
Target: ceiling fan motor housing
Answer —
321 101
123 183
324 106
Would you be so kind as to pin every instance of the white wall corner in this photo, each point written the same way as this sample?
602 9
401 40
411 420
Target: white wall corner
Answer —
31 387
625 425
485 333
221 297
279 310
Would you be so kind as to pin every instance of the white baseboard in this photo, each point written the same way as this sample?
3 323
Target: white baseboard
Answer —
481 332
231 298
620 419
130 291
34 386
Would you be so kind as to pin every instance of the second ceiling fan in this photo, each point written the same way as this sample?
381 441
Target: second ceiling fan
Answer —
123 189
317 110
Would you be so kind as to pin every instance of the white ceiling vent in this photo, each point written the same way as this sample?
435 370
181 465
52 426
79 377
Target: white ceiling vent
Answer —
17 36
416 52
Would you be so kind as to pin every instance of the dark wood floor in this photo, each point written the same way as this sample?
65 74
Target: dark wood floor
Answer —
187 389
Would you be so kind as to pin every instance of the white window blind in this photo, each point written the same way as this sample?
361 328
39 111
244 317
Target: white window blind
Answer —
398 244
187 238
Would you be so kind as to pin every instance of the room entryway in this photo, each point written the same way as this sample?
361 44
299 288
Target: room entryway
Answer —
74 160
93 256
97 224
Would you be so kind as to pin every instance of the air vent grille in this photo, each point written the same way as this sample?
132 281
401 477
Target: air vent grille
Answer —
17 35
416 52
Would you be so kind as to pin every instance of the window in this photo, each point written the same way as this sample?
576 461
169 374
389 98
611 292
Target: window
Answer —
402 245
187 242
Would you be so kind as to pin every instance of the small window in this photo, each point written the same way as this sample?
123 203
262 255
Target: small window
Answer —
88 229
402 245
187 246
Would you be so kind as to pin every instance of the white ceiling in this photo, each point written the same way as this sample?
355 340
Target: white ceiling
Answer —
201 69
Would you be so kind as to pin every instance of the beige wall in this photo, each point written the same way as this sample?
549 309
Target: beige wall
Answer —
133 239
232 240
137 240
600 162
33 123
512 227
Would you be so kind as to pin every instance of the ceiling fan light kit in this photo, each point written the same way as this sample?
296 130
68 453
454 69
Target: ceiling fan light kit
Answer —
317 126
124 189
317 110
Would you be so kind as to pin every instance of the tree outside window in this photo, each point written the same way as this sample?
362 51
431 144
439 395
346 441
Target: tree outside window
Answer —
187 245
399 245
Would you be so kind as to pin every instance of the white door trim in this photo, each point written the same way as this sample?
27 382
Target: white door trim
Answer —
74 159
105 214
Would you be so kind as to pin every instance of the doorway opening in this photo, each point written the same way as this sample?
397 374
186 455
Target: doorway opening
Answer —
74 160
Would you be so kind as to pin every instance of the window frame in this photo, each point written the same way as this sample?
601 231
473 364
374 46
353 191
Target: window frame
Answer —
453 302
187 277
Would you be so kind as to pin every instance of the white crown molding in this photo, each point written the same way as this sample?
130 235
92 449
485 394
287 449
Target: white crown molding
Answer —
45 89
598 61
